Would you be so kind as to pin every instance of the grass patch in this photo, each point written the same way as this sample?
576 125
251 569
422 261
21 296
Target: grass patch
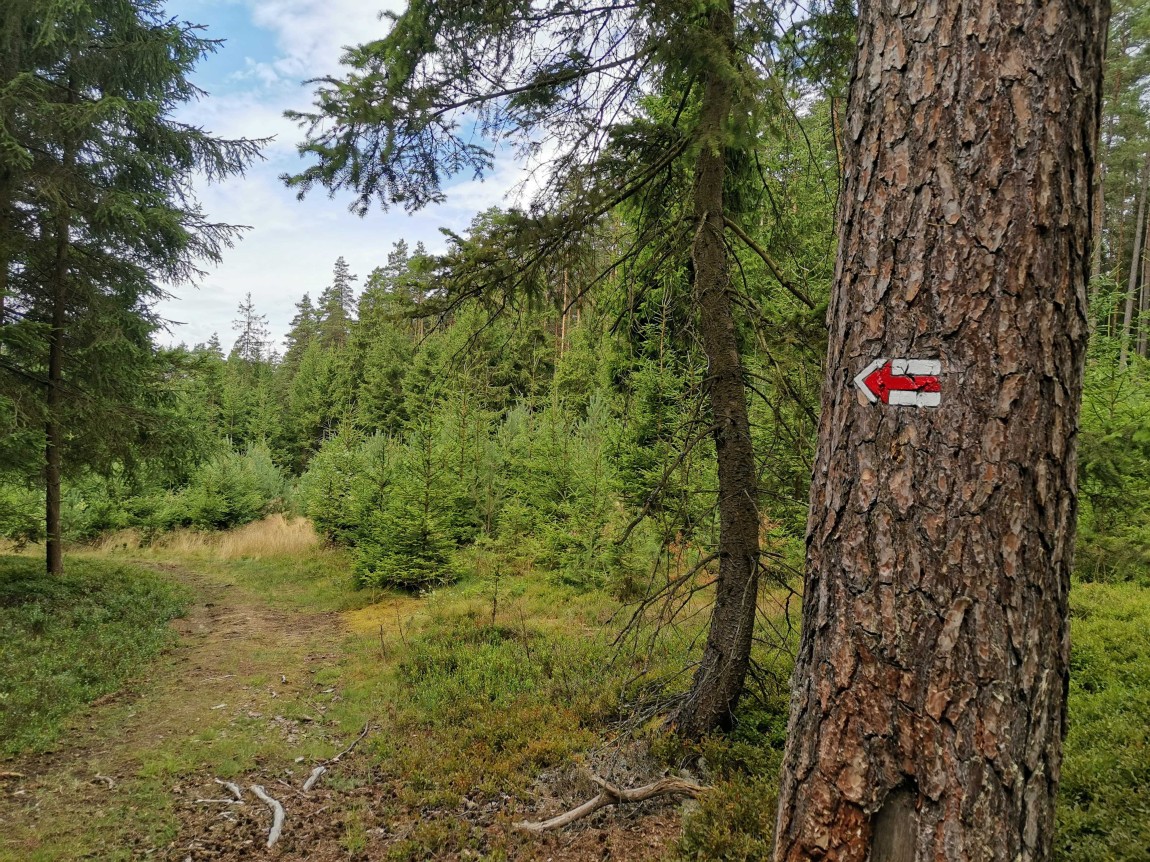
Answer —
484 706
1104 801
67 640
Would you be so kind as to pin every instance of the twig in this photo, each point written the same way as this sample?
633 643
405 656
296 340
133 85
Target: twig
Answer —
399 622
5 776
283 783
98 777
217 802
313 778
335 759
277 814
234 788
612 795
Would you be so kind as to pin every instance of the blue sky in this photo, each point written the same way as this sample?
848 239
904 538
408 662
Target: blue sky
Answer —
270 48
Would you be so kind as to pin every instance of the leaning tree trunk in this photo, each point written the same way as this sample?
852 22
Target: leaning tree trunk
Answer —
929 694
719 678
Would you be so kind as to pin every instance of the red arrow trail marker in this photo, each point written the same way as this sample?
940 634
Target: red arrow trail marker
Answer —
902 382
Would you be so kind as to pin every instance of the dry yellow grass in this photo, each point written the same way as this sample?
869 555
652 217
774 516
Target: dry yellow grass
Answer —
274 536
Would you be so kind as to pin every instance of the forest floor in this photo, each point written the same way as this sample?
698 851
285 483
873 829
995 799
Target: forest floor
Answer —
471 708
259 689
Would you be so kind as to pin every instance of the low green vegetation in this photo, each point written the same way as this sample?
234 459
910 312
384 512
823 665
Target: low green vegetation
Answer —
1104 800
475 691
66 641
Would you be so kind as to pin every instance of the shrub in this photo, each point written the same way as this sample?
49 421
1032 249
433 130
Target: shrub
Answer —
231 489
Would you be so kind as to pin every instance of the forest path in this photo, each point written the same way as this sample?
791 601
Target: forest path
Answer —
257 690
243 686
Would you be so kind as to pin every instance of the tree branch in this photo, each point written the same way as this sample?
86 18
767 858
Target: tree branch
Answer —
770 262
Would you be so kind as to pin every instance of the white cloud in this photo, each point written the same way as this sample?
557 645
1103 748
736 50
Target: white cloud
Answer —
311 34
292 246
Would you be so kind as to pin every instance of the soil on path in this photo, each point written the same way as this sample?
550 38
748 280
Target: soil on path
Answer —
246 687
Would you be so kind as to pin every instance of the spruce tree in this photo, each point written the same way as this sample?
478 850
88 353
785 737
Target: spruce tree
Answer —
97 207
336 307
403 120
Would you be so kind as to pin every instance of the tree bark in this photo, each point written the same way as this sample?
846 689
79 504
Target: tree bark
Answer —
928 702
52 432
718 680
1135 265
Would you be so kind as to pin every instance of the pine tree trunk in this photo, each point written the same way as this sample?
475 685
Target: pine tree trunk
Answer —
929 693
718 680
1096 245
1144 293
5 256
52 431
1135 266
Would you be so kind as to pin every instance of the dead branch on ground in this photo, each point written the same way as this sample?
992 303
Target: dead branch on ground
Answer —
612 795
277 814
234 788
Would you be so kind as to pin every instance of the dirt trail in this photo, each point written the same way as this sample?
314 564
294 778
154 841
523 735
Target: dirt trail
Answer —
252 693
236 659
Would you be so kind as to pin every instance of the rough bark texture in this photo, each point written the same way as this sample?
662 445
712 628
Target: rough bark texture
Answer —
929 696
719 678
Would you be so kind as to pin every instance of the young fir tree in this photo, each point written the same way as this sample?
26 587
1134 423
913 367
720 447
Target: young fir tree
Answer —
410 540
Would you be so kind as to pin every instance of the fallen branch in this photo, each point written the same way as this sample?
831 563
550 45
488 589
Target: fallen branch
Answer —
234 788
612 795
322 768
218 802
347 750
287 786
5 776
313 778
277 814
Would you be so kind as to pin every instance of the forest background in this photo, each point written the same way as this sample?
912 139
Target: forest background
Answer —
561 435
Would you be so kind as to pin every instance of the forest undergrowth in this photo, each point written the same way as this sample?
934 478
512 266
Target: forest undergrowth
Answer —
485 702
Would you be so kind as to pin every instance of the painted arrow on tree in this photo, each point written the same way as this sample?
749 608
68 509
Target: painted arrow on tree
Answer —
903 382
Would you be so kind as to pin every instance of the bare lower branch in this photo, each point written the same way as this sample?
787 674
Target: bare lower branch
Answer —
776 271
